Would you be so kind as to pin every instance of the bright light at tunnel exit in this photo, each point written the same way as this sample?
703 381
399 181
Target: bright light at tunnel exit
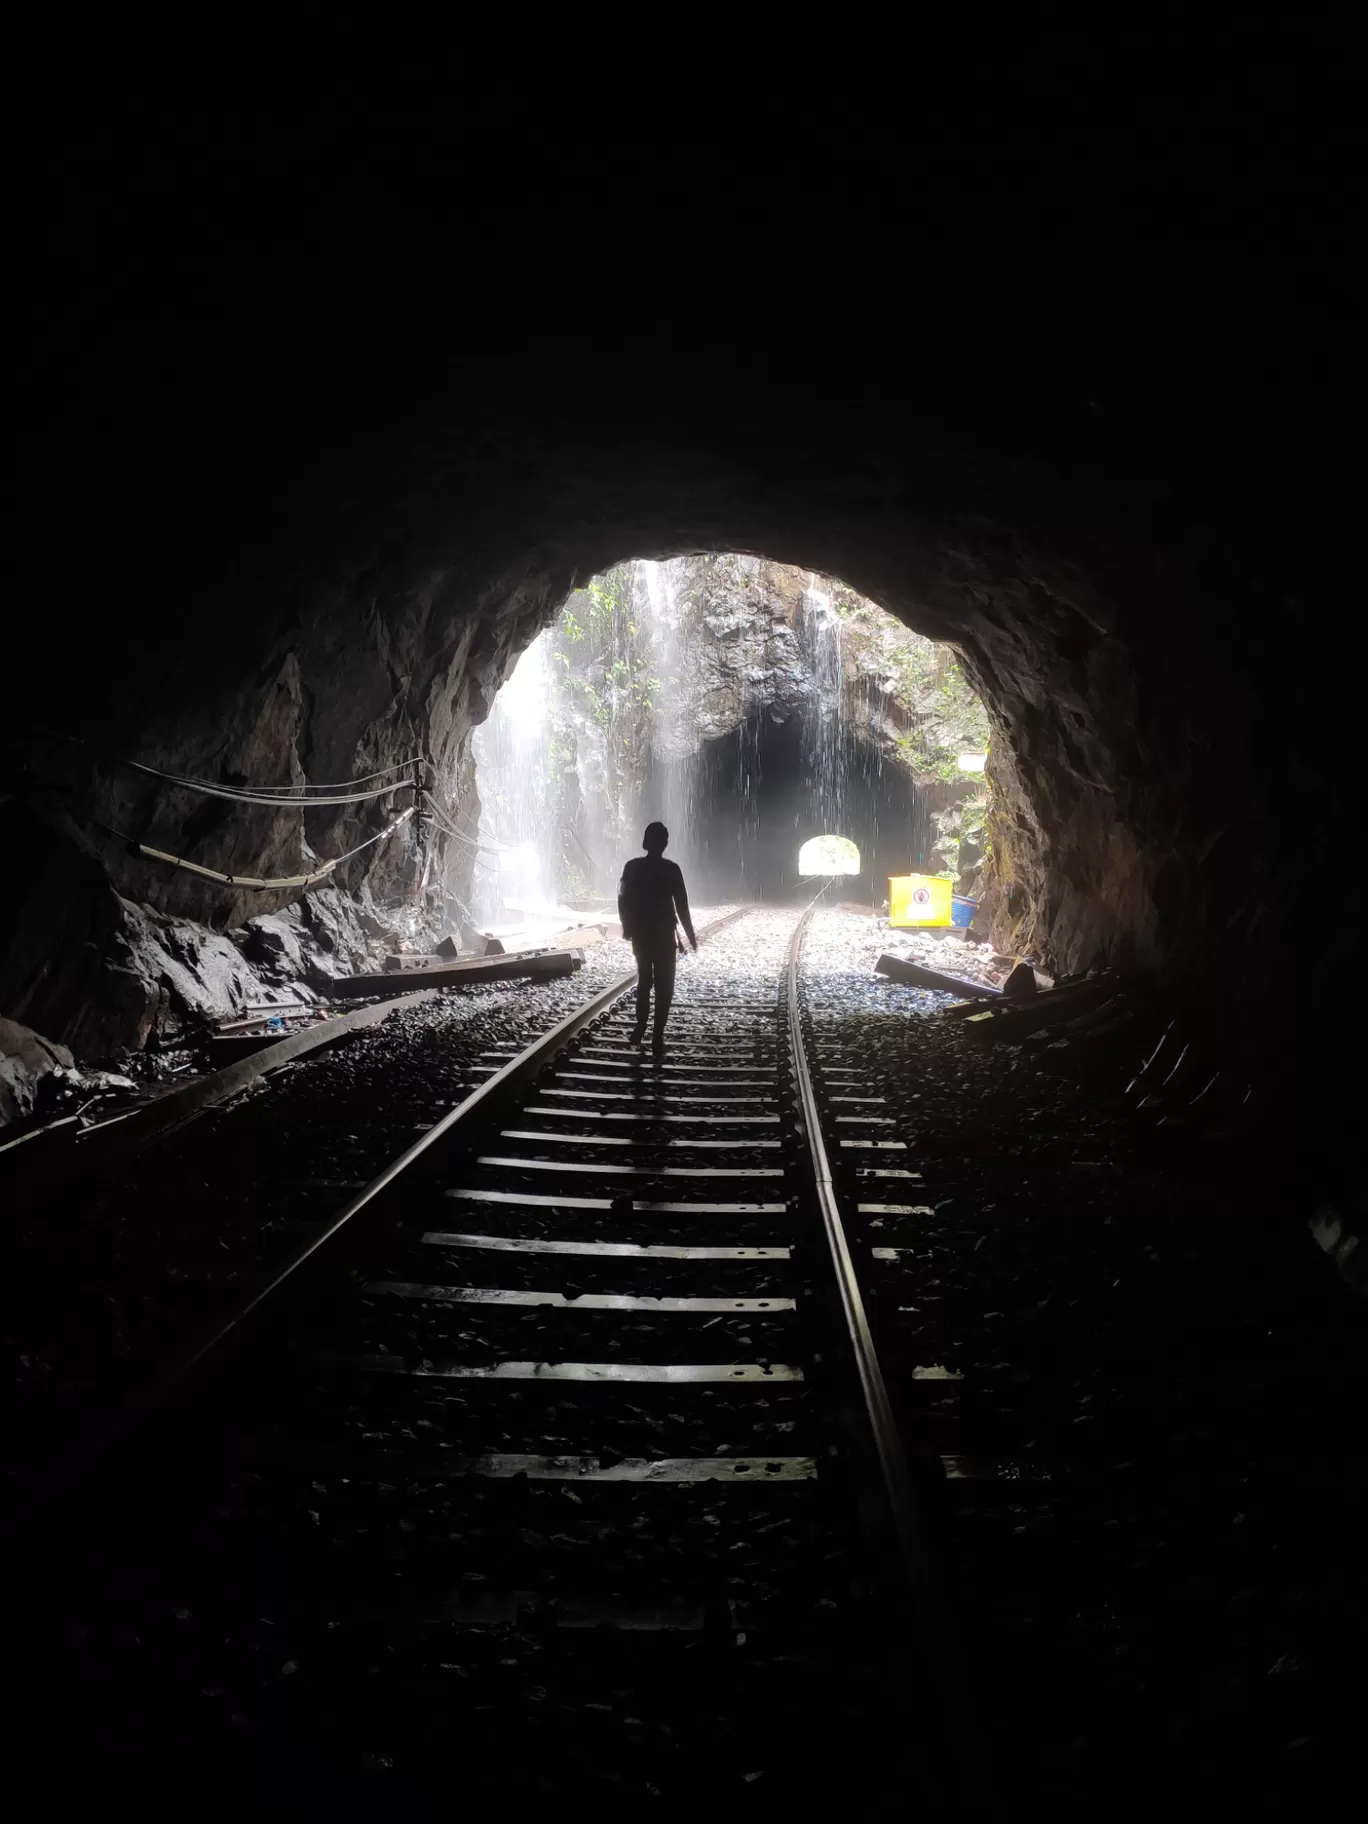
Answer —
828 855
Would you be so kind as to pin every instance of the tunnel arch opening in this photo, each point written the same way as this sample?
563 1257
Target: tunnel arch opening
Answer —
1134 820
325 516
828 855
751 706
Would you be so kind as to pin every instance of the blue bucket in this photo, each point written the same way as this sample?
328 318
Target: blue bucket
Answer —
962 910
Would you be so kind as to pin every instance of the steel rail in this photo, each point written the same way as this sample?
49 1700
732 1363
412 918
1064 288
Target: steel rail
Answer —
898 1497
527 1063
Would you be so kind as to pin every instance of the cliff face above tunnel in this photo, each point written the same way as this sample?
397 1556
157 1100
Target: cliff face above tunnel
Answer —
752 636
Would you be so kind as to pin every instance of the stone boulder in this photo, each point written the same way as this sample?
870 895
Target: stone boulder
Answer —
59 923
340 936
26 1058
99 973
274 943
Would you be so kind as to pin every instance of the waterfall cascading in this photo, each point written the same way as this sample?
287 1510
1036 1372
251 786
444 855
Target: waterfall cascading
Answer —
825 735
614 705
584 743
518 833
668 794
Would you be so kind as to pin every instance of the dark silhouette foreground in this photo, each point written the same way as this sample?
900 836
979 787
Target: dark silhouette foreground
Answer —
650 895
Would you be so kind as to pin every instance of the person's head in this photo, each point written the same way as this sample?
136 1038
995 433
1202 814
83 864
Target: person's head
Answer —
655 839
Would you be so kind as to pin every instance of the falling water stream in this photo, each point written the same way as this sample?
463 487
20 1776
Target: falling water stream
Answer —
824 739
514 869
668 794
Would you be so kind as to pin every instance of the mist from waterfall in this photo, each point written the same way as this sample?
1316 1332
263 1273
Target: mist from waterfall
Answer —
515 865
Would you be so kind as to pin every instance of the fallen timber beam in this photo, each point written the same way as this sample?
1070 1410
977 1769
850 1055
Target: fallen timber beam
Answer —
916 975
1026 1016
228 1047
530 965
37 1173
579 937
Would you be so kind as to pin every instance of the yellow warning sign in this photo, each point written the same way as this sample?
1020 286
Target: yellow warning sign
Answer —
918 899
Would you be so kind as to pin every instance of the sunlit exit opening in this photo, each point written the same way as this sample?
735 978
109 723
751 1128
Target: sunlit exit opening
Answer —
827 855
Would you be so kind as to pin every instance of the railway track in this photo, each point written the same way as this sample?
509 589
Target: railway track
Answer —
106 1283
560 1462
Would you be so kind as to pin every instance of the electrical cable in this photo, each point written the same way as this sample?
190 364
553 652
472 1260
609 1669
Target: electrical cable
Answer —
440 818
253 881
256 795
266 794
342 785
472 842
289 798
109 830
287 791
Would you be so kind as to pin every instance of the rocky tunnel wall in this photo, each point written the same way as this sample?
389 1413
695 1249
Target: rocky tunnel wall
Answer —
329 420
1136 818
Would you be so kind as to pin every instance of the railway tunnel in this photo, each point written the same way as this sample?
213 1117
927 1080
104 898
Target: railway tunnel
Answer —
1141 817
307 539
755 837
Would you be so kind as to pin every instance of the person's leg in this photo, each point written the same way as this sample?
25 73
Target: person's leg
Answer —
643 996
664 993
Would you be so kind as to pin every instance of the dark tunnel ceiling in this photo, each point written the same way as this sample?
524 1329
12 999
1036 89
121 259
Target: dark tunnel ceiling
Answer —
1048 394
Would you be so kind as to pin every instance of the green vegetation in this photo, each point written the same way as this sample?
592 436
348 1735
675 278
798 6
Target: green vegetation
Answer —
608 680
925 680
596 645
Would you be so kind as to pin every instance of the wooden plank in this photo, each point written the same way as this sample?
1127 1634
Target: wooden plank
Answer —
665 1373
303 1456
916 975
136 1127
539 965
1014 1019
516 1296
576 937
226 1048
607 1250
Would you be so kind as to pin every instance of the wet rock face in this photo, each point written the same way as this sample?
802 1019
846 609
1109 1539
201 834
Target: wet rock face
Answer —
960 847
360 679
101 974
756 637
26 1058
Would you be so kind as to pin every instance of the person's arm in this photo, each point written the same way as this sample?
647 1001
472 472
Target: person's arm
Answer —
625 909
681 901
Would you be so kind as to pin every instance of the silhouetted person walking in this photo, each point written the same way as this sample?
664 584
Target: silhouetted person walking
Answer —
650 893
